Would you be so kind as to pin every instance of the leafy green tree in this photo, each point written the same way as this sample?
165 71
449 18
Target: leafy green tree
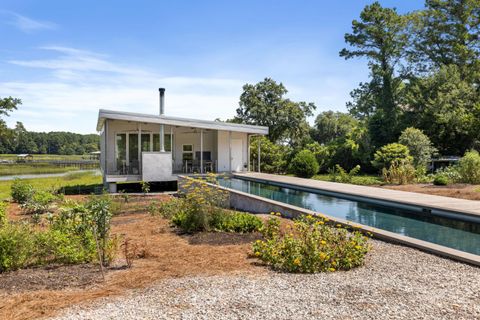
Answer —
447 33
419 145
331 125
272 156
380 37
321 153
390 153
264 104
447 109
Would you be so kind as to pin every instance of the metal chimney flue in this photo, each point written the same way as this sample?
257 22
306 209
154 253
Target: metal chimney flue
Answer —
162 112
162 101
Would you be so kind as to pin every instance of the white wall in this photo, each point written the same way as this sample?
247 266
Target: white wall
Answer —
224 149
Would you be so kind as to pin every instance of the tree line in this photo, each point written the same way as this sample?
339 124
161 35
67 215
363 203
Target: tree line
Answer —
423 87
19 140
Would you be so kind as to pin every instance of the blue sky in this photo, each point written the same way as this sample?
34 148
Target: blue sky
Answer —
67 59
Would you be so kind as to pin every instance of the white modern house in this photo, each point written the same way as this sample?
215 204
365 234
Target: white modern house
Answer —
143 147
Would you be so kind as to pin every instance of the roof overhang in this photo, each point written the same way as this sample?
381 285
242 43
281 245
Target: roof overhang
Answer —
174 121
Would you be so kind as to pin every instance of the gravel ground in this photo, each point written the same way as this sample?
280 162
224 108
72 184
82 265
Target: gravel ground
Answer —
396 283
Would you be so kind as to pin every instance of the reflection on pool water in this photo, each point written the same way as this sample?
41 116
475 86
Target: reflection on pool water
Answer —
456 234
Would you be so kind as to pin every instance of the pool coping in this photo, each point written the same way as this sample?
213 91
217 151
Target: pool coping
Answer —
381 234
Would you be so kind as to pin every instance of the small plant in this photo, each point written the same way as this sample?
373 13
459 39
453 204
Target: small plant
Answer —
145 187
338 174
129 251
310 246
399 172
440 180
40 203
236 222
167 209
304 164
21 191
124 196
101 215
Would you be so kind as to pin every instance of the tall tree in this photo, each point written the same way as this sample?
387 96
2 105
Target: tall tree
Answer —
380 37
447 33
331 125
265 104
446 108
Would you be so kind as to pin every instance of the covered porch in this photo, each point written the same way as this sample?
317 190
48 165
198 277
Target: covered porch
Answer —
132 147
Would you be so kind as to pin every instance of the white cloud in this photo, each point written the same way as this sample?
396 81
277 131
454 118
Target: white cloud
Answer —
27 24
79 82
76 83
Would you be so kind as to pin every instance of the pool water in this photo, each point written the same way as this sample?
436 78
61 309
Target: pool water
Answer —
456 234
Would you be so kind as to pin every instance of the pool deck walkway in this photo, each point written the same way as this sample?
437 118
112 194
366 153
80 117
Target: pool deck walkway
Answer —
469 207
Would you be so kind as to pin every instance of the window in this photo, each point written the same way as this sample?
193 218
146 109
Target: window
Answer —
121 151
145 141
168 142
187 152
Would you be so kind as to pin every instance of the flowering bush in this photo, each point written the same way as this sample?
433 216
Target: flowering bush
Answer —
310 246
204 209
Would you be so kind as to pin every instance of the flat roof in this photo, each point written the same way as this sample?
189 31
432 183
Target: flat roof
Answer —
176 121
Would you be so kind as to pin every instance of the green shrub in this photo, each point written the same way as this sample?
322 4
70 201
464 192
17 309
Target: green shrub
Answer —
204 209
16 246
469 167
321 153
3 213
419 145
310 246
451 172
236 222
21 191
304 164
167 209
40 202
390 153
338 174
399 172
440 180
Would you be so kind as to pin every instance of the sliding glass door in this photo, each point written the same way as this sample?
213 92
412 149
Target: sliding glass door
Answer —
126 150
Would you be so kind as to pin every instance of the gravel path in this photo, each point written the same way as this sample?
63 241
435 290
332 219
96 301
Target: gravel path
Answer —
396 283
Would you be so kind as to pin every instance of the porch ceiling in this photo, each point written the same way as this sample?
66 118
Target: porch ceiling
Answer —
175 121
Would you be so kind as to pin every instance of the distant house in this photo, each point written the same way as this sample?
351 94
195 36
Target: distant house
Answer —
144 147
25 157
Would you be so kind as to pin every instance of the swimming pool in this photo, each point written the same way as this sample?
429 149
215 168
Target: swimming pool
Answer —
453 233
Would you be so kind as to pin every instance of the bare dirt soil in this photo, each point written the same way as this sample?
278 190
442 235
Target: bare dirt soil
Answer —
462 191
39 292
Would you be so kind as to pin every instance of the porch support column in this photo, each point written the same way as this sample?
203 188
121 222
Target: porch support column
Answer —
248 152
201 151
259 143
230 151
139 147
162 138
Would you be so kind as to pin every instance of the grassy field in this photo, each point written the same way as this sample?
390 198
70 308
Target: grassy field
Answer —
365 180
72 183
11 169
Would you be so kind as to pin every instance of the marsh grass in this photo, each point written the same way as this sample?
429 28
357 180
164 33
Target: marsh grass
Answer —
81 181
